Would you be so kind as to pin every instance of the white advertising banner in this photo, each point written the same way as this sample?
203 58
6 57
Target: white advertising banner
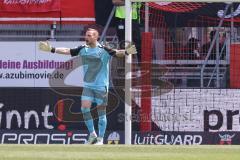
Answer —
22 64
197 110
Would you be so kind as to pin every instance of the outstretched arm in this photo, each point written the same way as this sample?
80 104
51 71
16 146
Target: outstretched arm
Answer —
128 51
122 52
45 46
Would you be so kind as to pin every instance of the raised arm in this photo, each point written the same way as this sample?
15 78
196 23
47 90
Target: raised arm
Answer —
122 52
45 46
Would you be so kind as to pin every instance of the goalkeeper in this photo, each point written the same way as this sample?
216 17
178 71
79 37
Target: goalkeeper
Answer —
95 58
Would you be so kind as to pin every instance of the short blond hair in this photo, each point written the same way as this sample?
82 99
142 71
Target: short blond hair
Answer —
94 31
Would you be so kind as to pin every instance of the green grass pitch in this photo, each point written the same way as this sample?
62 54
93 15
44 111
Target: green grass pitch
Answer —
118 152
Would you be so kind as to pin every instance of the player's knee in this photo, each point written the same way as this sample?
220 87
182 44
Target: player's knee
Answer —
86 113
85 109
101 111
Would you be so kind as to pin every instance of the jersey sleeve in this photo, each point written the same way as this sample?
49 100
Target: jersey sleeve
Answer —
110 51
75 51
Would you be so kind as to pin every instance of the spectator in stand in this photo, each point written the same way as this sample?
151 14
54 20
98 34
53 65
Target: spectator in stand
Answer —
192 48
206 47
120 24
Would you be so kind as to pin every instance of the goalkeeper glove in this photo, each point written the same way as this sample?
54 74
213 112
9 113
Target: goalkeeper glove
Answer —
45 46
131 50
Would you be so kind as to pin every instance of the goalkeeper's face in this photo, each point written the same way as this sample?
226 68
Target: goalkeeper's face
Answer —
91 37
